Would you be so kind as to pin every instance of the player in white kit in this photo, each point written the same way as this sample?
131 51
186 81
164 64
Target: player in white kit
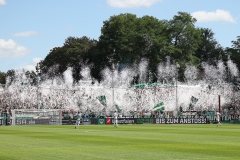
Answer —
218 119
78 120
115 115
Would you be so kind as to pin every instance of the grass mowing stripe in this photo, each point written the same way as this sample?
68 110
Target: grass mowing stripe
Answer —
126 142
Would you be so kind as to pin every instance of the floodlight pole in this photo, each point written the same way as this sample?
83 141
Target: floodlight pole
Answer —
112 68
176 93
37 91
38 79
113 84
176 84
219 104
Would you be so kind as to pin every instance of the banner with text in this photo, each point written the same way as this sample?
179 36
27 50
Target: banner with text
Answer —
181 120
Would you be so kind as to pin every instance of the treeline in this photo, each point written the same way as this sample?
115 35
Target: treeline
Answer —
125 40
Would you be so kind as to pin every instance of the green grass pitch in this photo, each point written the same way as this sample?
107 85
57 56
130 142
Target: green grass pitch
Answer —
104 142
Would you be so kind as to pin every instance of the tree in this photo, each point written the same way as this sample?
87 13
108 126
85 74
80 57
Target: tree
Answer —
126 40
209 50
119 34
78 50
236 44
234 52
132 39
74 53
2 78
10 76
152 39
55 57
184 39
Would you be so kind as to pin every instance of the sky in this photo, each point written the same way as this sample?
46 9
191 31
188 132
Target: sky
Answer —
29 29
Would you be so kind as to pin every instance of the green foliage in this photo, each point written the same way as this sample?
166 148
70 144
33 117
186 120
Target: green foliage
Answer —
184 39
236 44
126 39
234 52
2 78
119 34
209 50
134 38
11 75
74 53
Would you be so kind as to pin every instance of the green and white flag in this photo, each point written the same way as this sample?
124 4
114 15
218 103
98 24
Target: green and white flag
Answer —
102 99
159 107
194 100
118 108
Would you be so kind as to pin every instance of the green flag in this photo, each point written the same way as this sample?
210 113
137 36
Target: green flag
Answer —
159 107
194 100
118 108
139 85
102 99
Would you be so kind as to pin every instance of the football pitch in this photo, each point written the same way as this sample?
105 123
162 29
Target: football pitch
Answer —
104 142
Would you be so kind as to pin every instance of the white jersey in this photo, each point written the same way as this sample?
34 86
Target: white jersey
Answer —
115 115
79 116
218 116
78 121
